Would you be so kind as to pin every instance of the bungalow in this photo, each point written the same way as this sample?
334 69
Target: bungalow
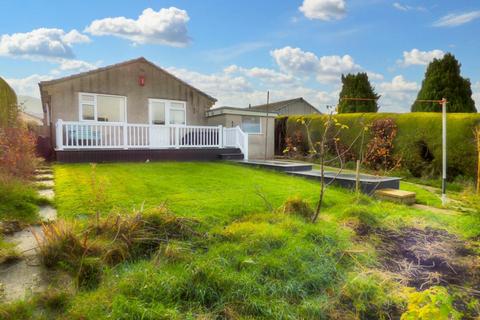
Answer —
137 111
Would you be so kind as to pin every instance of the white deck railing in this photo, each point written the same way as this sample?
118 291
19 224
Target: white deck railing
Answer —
108 135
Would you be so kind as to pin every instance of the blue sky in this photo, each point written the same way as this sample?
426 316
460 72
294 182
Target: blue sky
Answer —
237 50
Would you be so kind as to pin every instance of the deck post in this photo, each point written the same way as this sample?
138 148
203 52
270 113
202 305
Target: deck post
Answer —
59 134
125 136
245 143
177 137
220 136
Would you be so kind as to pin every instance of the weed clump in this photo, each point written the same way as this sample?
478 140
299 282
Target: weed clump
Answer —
84 252
298 206
362 220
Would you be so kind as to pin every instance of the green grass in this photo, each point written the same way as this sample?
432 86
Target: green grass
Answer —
247 262
18 201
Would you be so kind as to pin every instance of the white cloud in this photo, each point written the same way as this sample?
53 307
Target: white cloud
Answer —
457 19
263 74
417 57
399 84
405 7
397 95
326 69
295 60
325 10
166 26
41 43
212 83
29 85
73 66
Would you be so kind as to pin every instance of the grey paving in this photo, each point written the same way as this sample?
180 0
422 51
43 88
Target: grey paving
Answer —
368 183
284 166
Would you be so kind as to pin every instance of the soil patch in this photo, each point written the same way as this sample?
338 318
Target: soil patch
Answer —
425 258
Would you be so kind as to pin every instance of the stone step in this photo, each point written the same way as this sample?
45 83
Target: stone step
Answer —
48 213
398 196
45 184
43 177
48 194
44 171
231 156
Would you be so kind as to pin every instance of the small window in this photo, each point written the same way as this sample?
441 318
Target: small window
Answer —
88 112
251 124
177 113
158 112
177 117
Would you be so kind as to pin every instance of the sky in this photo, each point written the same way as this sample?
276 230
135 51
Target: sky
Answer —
236 51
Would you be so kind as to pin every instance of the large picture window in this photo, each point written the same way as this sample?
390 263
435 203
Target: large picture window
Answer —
251 124
100 107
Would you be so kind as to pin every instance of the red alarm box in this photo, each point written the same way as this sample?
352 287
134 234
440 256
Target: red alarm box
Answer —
141 81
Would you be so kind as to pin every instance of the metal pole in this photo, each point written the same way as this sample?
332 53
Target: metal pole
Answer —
266 126
444 151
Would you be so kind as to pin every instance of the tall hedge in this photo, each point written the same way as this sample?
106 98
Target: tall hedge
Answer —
8 104
417 133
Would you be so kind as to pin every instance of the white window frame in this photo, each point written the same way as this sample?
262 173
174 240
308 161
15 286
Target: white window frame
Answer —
260 125
168 107
95 114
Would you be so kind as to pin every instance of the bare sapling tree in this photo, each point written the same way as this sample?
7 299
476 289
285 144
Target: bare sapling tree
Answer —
331 132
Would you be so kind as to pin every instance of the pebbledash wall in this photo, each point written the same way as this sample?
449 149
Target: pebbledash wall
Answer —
61 96
231 117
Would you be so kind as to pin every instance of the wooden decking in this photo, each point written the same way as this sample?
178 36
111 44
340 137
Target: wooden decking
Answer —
142 155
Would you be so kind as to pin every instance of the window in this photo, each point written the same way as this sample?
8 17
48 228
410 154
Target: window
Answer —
167 112
157 112
177 113
99 107
251 124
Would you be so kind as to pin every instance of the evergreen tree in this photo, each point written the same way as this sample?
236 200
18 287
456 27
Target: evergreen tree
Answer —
8 104
443 80
357 86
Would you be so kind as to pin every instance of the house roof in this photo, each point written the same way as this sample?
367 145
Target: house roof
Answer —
275 106
238 111
121 64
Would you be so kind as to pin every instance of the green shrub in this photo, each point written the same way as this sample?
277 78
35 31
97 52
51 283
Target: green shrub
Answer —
432 304
418 143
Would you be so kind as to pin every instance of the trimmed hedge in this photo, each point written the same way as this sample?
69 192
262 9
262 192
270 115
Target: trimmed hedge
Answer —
418 142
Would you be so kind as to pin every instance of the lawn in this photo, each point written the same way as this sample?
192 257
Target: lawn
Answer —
246 258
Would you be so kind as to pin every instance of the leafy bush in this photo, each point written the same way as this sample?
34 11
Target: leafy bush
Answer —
432 304
379 154
418 143
17 151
